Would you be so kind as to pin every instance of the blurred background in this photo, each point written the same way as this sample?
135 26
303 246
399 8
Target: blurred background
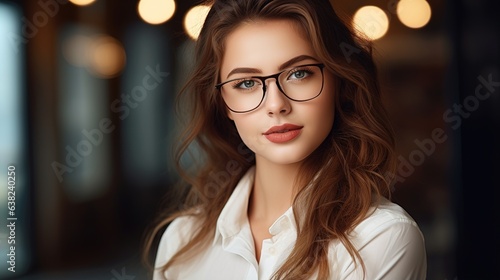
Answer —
87 124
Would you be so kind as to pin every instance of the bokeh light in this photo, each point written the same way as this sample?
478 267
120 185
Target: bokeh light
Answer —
82 2
371 22
194 20
156 11
414 13
101 55
106 57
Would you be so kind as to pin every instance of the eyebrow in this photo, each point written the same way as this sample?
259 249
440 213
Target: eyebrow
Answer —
246 70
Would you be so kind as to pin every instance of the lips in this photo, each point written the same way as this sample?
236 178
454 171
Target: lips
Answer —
283 133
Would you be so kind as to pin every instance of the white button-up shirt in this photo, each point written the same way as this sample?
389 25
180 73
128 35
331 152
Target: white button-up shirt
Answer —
388 240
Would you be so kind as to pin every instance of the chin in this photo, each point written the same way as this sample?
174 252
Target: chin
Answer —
286 159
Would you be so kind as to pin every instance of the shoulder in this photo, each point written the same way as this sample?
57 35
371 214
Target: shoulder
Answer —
177 234
390 244
384 216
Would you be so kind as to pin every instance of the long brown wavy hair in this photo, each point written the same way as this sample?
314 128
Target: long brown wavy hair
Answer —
354 159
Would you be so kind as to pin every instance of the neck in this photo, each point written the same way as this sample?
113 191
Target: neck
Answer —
273 191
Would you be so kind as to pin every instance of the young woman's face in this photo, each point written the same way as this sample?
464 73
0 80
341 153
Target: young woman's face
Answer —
279 130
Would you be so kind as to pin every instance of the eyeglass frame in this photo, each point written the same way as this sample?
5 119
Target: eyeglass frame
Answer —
263 79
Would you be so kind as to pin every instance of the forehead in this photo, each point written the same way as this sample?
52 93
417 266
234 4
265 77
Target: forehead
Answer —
264 45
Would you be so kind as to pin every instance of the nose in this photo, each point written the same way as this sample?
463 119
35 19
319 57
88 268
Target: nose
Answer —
276 102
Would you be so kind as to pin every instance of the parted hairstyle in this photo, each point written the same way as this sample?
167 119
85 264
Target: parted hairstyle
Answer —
339 180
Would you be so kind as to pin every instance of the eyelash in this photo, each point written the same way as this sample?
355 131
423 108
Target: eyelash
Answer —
305 70
237 84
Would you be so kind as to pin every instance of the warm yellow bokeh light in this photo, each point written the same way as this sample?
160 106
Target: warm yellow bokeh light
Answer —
106 57
156 11
414 13
194 20
371 22
101 55
82 2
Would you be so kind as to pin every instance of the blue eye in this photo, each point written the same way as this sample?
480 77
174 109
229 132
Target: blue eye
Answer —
299 74
245 84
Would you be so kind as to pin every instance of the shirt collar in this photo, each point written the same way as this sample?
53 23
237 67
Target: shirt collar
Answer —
284 223
233 216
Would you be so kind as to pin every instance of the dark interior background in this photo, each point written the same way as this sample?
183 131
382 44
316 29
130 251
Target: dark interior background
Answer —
440 81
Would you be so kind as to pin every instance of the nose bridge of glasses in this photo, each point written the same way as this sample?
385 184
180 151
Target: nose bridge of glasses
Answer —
274 77
274 97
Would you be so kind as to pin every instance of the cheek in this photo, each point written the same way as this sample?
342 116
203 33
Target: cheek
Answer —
324 119
244 128
325 114
229 114
329 102
326 103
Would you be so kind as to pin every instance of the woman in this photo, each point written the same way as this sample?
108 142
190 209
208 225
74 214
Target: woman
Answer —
296 150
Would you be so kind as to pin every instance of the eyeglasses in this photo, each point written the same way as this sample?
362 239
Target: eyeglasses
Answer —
299 83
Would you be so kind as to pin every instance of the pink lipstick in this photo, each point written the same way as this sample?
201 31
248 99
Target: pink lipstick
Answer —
283 133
